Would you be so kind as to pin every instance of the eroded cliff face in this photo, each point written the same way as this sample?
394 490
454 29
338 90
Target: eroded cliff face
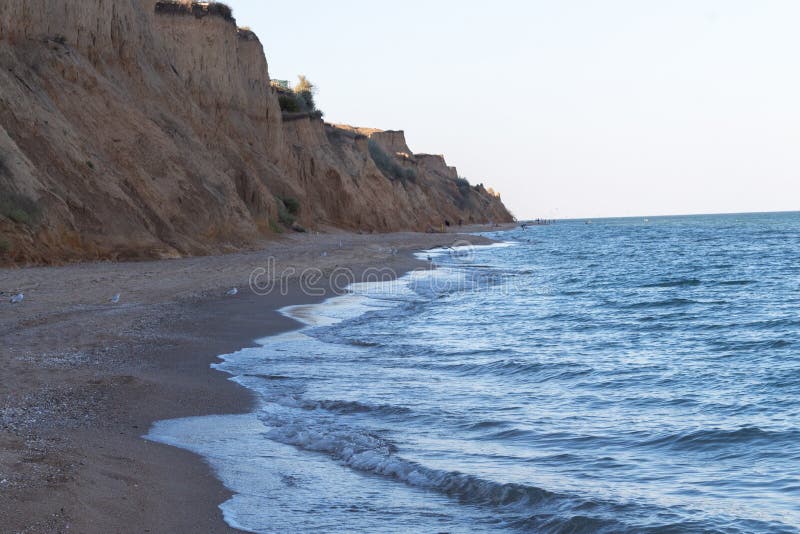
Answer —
131 131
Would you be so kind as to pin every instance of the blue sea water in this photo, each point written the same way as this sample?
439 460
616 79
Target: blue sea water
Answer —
609 377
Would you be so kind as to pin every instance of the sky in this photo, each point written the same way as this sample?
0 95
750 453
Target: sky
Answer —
570 109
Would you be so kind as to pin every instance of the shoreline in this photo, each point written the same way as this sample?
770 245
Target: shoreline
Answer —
91 378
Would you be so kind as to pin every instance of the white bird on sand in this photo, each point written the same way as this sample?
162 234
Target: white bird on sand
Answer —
16 299
324 254
115 298
232 292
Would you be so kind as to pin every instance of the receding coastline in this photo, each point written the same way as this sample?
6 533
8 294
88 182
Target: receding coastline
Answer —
91 377
149 130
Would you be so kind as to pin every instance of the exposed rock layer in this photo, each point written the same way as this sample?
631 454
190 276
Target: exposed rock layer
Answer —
131 131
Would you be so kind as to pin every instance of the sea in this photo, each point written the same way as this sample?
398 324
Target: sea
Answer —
614 375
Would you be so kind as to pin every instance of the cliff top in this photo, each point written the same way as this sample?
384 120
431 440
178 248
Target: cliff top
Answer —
198 9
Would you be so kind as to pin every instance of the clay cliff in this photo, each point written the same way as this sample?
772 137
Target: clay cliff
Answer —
139 129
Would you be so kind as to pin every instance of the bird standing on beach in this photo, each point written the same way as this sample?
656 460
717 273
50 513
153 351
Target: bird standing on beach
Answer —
16 299
232 292
115 298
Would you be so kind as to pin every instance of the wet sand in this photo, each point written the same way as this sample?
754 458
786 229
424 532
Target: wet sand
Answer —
83 379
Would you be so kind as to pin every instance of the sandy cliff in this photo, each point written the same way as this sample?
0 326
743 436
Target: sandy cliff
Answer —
135 128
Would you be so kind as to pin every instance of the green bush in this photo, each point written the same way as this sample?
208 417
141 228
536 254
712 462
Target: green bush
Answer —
305 90
306 101
388 166
5 246
19 208
274 227
463 186
197 9
300 99
284 215
298 103
289 102
218 8
292 204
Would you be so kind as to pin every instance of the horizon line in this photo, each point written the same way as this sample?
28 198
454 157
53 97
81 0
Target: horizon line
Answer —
662 215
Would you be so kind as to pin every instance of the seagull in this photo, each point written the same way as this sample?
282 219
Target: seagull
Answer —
115 298
16 299
324 254
232 292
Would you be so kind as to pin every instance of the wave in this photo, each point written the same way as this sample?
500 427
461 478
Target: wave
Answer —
353 407
668 303
683 282
749 345
516 367
369 453
269 377
714 438
362 343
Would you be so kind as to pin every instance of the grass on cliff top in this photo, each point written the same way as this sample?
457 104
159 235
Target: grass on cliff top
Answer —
300 99
388 166
198 9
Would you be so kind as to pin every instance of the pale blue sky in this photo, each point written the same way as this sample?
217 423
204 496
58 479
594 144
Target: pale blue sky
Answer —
568 108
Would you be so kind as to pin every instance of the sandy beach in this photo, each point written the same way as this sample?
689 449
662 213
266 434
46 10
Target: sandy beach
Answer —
83 379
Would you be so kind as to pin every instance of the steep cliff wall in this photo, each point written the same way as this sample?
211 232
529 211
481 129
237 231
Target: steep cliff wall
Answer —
129 129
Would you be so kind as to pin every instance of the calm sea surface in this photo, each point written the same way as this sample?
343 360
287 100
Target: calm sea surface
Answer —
616 376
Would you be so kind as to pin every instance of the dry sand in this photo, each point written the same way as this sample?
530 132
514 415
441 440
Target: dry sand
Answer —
83 379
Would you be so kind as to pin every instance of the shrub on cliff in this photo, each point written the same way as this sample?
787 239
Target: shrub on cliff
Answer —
289 103
223 10
198 9
463 185
300 99
285 215
305 90
19 208
292 204
388 166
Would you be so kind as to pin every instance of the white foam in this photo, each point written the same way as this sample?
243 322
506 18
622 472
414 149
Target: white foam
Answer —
254 468
462 251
